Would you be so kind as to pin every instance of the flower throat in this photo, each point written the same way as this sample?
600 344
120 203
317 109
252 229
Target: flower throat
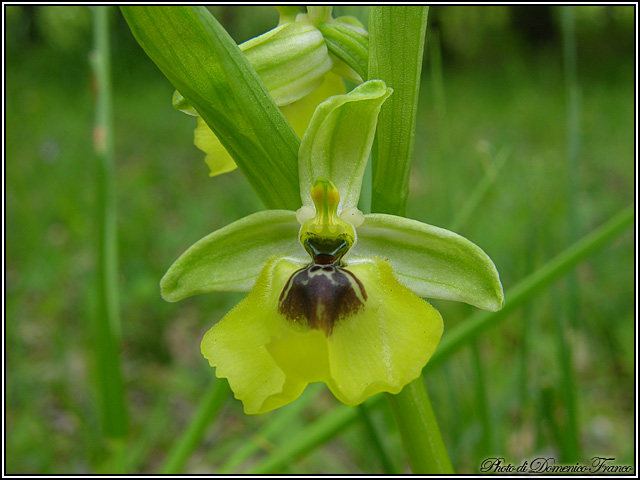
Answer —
323 293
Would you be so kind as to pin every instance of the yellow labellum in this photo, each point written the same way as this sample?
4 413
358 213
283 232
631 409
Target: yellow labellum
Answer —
269 357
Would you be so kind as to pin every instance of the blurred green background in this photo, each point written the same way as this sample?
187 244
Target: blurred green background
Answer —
493 103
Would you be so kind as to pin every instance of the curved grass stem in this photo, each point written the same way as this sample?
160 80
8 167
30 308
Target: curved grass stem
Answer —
208 408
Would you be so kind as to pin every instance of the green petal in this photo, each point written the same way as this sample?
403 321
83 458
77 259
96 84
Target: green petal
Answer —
319 14
343 70
431 261
338 140
269 359
217 158
230 259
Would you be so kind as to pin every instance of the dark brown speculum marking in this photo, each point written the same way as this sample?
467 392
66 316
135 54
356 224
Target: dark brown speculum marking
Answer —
320 295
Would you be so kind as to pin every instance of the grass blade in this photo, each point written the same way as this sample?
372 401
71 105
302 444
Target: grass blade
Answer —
479 192
315 434
209 407
571 443
376 441
279 422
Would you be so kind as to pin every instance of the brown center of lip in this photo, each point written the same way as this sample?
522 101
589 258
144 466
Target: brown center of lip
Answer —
320 295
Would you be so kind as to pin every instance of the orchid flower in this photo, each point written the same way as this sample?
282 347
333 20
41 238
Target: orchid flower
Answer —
298 67
334 295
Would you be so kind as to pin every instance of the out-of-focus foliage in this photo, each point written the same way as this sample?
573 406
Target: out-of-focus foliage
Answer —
501 91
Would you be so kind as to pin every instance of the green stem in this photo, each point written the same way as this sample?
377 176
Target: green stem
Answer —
572 89
210 405
419 429
569 439
105 325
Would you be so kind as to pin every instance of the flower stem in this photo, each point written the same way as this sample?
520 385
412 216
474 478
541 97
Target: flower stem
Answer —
419 429
105 325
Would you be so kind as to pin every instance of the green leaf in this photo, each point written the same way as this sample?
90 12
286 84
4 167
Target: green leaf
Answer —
349 43
206 66
396 44
230 259
431 261
338 140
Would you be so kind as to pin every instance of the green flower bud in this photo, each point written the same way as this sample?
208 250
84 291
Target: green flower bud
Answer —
291 59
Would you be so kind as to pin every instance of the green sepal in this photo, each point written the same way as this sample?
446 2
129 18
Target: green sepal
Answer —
217 158
230 259
351 21
206 66
291 60
431 261
180 103
396 45
338 140
349 43
319 14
